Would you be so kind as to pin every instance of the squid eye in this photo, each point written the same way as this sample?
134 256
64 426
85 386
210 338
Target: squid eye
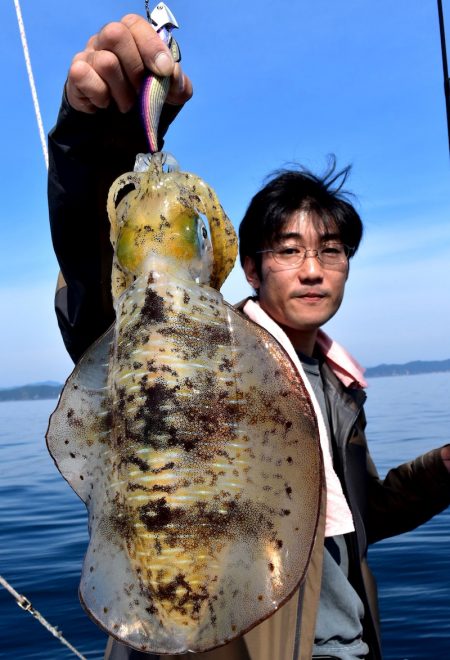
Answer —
203 237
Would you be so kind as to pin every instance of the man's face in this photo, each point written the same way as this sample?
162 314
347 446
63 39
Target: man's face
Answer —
302 298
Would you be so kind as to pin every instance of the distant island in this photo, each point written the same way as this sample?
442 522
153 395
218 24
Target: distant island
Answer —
51 390
408 369
30 392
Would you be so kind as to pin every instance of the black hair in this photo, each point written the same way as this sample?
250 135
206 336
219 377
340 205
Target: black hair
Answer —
288 191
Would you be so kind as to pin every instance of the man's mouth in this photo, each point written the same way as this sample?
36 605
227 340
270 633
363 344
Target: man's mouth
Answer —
311 295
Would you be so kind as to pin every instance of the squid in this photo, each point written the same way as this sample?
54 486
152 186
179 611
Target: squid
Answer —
185 429
187 432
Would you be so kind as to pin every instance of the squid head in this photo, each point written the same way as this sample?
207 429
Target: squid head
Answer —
157 215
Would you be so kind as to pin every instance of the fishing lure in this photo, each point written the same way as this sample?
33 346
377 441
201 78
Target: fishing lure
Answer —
155 88
187 432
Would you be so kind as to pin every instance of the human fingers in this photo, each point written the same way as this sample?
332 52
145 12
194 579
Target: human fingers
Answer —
117 40
85 90
96 74
180 89
156 57
114 63
119 54
95 77
154 54
113 82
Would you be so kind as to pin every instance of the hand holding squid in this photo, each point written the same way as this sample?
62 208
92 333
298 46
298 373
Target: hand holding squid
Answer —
114 63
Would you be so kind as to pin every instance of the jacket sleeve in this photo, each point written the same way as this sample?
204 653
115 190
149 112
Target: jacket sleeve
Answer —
87 152
410 495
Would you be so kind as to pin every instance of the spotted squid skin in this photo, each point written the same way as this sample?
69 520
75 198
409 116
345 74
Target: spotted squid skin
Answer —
203 489
184 467
189 435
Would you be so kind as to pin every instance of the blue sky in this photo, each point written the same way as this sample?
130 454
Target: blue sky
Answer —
275 82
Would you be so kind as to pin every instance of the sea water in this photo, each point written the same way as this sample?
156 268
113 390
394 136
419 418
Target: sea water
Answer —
43 533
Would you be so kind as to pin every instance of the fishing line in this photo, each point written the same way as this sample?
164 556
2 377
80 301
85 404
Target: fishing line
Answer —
21 600
147 11
31 80
26 605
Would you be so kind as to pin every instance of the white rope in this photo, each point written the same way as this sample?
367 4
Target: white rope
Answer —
21 600
25 604
31 79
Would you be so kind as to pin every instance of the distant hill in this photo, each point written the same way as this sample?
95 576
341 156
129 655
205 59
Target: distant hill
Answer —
29 392
408 369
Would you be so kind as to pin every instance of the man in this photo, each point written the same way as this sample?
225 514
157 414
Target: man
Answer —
297 238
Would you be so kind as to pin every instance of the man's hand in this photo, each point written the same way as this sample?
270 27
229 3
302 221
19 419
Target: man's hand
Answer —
445 454
114 62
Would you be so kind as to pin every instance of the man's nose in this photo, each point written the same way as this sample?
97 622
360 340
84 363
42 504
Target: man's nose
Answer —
311 267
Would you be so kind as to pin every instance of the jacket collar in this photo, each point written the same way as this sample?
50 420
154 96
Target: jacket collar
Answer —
341 363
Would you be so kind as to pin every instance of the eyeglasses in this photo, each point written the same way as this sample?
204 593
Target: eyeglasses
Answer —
330 255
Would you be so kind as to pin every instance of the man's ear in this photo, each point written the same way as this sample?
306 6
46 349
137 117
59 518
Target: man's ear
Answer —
251 273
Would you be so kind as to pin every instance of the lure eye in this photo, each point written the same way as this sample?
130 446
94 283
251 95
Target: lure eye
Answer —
204 232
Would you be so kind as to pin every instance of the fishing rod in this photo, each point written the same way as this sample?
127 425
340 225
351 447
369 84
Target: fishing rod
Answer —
445 67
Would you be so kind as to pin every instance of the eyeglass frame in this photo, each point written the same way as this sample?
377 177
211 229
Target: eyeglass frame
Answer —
349 251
